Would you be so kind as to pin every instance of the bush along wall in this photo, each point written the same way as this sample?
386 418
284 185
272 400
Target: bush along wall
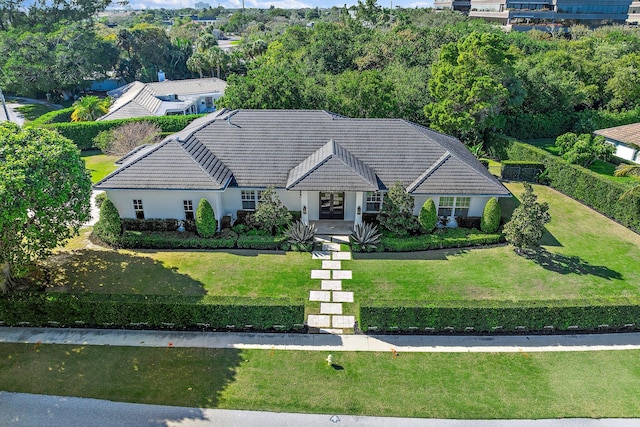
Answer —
583 185
82 133
151 311
492 317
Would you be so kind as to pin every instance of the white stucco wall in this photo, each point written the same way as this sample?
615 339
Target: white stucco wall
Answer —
626 152
160 203
475 208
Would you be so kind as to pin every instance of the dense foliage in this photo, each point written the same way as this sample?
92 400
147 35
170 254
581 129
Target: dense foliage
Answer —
590 188
497 317
206 223
271 214
491 215
396 214
151 311
584 149
428 217
109 226
44 194
526 227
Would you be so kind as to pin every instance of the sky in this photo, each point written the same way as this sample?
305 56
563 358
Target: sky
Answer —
265 4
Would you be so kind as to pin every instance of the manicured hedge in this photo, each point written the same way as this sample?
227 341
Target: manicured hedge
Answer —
261 242
509 317
521 170
161 240
586 186
150 311
450 238
56 116
156 224
82 133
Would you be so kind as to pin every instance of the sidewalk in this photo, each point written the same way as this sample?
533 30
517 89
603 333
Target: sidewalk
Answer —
325 342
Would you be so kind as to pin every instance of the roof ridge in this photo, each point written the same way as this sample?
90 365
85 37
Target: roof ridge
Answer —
419 180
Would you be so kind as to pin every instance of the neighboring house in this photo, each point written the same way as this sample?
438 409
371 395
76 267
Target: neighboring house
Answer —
321 164
626 140
458 5
164 98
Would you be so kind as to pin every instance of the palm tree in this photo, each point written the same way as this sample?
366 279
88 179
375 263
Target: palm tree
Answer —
89 108
624 169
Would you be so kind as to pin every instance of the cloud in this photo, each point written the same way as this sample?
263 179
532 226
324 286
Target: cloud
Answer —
266 4
421 4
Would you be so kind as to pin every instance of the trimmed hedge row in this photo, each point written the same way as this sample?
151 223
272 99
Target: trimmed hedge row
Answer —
451 238
83 133
583 185
521 170
150 311
544 316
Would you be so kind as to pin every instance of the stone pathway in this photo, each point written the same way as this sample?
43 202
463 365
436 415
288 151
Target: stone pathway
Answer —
331 295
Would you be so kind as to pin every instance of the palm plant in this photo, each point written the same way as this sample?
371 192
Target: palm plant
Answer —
89 108
624 169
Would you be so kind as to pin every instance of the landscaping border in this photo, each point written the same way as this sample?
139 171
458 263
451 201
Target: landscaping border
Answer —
151 312
499 317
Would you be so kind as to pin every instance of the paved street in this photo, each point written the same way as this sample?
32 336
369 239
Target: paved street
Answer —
20 409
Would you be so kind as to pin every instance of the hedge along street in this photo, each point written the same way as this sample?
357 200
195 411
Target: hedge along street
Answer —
322 342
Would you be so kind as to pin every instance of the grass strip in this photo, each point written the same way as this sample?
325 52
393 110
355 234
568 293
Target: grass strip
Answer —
439 385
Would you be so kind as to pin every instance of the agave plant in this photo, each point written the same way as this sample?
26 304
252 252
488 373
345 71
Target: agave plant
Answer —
301 235
365 236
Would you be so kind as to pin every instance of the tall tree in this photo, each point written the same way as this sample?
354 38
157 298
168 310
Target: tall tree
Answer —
44 195
526 226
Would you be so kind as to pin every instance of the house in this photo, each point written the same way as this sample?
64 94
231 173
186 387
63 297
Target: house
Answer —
326 166
626 139
166 97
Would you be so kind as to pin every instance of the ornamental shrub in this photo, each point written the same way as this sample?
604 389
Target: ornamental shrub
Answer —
527 222
271 214
396 214
109 226
491 216
205 219
428 217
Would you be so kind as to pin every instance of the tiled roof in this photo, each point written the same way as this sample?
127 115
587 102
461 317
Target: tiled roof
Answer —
289 148
139 99
627 134
332 168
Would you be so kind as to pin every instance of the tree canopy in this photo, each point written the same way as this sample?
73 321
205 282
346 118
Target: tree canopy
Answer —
44 194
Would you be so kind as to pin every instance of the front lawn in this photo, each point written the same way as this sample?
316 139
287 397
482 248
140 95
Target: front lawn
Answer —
586 256
430 385
100 165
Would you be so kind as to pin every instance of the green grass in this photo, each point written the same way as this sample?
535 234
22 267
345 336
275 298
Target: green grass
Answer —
434 385
33 111
588 256
247 273
598 166
100 165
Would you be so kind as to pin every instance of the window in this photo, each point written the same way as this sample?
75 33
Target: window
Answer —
250 199
138 209
209 101
445 206
462 206
188 209
373 201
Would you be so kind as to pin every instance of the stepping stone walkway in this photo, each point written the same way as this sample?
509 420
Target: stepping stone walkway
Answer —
331 295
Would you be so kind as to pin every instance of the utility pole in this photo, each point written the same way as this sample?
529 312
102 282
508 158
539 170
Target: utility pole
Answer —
4 105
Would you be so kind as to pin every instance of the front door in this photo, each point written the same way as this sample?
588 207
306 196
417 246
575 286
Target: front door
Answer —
331 205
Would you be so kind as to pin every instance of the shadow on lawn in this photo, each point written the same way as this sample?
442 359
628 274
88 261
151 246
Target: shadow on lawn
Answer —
509 205
568 264
435 255
114 272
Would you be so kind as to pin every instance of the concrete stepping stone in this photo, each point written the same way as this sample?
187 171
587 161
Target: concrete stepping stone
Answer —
340 274
342 321
330 308
331 265
341 256
342 296
319 321
331 247
331 285
320 296
321 274
340 239
321 255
